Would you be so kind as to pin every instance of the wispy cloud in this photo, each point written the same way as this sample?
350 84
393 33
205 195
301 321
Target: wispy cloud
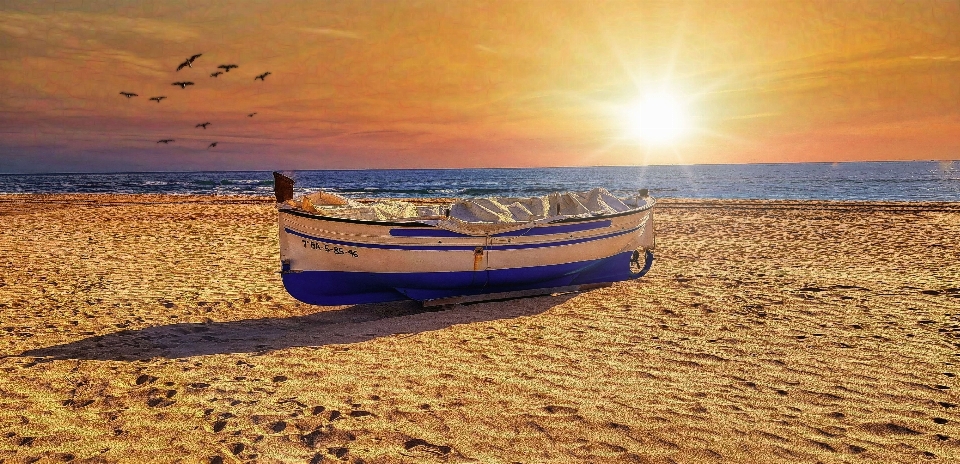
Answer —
756 116
335 33
47 26
936 58
143 66
14 30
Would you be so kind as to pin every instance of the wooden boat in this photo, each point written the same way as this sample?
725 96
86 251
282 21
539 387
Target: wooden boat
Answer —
334 251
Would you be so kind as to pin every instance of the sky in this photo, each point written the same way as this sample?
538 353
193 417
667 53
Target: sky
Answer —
452 84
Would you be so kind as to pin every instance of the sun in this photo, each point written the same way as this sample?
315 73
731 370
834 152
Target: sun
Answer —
656 119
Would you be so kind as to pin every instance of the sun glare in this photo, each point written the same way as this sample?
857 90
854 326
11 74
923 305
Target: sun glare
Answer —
656 119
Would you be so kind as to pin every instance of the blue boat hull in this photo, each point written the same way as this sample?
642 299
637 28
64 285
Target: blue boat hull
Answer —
343 288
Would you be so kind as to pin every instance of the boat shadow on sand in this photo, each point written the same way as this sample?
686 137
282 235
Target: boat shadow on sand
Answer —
353 324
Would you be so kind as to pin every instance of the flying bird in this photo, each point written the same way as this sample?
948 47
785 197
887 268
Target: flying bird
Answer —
203 125
165 141
227 67
157 99
262 76
212 145
128 94
188 62
182 85
251 115
216 74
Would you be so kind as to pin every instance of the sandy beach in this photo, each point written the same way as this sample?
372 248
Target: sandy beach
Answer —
156 329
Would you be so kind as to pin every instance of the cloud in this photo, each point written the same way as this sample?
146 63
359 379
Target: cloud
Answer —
43 27
14 30
142 65
756 116
935 58
335 33
81 41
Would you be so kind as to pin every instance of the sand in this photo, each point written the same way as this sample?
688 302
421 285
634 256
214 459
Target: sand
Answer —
156 329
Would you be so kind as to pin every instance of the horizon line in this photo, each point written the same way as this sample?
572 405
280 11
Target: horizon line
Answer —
478 168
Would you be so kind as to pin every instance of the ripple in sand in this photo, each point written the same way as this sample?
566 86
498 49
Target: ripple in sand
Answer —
856 449
560 409
887 429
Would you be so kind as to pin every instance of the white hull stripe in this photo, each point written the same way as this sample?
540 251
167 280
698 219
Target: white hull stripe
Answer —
461 248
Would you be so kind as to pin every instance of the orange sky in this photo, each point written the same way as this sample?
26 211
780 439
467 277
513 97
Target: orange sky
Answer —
373 84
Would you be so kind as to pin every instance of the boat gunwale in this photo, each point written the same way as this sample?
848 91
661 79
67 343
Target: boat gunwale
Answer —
415 223
466 247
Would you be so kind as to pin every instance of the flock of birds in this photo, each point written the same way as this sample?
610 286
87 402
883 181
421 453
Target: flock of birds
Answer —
188 63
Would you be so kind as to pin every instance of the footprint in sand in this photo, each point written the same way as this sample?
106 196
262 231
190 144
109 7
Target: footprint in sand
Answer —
144 379
77 404
291 400
219 425
423 446
159 402
312 439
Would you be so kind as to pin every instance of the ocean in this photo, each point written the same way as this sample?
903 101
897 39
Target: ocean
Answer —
888 181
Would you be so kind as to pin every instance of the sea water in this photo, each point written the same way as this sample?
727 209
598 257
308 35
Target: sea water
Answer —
891 181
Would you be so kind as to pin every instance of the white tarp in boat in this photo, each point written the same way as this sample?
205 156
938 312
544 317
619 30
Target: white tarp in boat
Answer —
328 204
485 216
475 216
